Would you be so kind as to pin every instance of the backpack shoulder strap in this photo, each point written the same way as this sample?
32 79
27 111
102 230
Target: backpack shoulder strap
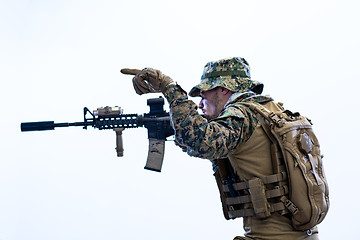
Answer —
266 119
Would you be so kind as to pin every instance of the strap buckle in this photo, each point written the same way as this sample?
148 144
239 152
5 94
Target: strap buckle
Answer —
289 205
276 119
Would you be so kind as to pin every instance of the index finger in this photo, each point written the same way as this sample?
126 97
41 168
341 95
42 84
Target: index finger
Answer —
129 71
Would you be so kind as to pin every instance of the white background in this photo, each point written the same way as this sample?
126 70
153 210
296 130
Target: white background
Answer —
57 57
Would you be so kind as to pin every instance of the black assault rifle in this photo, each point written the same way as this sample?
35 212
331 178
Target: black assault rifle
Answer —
157 122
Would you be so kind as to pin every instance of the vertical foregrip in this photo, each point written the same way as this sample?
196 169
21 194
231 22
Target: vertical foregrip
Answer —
119 142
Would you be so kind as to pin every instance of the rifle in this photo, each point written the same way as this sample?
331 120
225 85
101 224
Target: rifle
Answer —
157 122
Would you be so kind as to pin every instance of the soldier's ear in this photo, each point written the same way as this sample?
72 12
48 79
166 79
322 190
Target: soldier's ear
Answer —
225 90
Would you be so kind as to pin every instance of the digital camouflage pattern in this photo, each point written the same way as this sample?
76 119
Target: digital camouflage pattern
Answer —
220 138
216 138
230 73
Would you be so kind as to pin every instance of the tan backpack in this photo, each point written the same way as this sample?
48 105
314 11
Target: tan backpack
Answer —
299 150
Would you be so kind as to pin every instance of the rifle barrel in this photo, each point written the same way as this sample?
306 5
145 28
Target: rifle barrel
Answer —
48 125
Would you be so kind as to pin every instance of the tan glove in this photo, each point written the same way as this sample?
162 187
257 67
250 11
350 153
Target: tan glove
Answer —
148 80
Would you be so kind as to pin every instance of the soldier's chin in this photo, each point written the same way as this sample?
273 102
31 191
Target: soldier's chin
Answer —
208 117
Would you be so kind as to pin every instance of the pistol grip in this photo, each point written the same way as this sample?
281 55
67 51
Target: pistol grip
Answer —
119 143
155 155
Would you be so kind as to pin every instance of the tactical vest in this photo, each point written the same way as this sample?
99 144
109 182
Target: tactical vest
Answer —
278 169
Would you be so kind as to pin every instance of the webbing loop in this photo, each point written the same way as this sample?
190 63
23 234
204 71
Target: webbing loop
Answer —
282 176
276 192
249 212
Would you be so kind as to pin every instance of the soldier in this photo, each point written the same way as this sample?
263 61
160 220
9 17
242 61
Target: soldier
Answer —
229 135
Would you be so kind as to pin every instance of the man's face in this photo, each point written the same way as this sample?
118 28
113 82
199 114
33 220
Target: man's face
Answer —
211 104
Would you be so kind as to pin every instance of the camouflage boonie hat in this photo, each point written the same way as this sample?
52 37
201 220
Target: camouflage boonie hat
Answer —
230 73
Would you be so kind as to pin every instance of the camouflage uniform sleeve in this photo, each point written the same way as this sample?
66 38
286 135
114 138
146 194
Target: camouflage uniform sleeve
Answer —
207 139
